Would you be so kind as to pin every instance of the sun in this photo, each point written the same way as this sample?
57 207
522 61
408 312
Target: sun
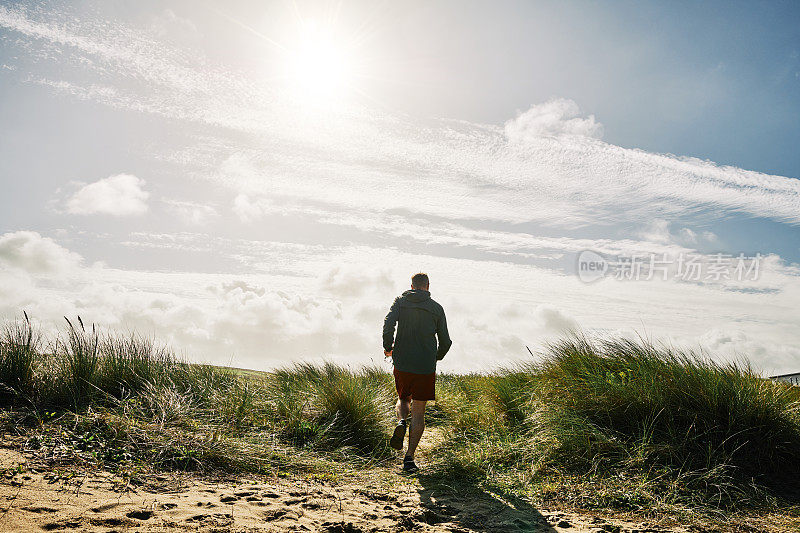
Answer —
318 66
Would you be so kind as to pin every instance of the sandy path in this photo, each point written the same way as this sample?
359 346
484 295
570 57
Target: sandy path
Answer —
98 501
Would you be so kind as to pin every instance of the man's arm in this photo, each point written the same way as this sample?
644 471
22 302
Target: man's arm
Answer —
388 326
444 337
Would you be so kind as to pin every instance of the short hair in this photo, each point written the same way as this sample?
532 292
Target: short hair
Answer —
420 281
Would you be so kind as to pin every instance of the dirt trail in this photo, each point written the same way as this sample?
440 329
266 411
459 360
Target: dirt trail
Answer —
99 501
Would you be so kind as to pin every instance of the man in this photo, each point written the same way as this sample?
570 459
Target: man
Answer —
414 353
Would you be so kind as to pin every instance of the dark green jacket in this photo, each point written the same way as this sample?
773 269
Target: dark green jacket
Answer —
419 320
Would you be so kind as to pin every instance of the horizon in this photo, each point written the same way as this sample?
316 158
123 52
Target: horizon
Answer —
253 183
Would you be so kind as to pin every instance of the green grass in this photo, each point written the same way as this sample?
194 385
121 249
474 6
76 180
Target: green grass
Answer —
595 424
633 424
20 345
674 409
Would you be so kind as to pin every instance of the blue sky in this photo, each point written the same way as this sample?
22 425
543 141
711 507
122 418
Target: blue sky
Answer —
255 181
715 80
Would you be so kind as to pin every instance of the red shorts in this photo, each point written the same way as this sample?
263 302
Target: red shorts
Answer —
420 387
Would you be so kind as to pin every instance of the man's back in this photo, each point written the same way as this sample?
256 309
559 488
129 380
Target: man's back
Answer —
419 321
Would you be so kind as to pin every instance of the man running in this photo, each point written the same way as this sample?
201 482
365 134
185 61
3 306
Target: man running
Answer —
414 353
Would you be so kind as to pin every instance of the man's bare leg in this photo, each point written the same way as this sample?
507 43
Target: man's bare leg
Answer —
399 434
417 427
403 408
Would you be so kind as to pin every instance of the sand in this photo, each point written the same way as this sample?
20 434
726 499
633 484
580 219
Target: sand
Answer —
51 500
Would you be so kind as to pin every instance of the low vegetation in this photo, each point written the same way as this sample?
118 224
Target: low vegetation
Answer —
594 424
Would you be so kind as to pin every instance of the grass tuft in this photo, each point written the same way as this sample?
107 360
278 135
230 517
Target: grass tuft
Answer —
20 345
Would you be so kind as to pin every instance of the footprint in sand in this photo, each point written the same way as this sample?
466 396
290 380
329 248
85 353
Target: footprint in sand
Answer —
104 508
39 509
206 504
341 527
62 524
429 517
281 514
112 522
311 505
216 519
141 514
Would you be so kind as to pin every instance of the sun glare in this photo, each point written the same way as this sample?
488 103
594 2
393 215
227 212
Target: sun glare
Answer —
317 65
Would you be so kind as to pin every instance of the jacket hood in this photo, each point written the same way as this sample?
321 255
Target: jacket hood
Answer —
417 295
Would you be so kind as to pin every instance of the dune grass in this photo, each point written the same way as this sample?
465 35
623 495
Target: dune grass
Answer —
627 424
605 424
20 345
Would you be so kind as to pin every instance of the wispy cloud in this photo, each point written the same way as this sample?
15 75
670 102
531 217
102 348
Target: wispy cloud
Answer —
193 213
527 170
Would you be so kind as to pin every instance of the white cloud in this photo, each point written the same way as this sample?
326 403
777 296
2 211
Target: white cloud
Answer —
117 195
657 231
739 347
554 320
558 116
709 236
31 252
349 282
249 210
192 212
689 235
310 303
660 231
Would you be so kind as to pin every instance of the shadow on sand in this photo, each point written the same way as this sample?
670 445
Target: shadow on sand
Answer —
473 508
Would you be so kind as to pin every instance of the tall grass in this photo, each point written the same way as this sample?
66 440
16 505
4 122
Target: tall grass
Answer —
20 345
332 406
671 423
615 422
132 362
354 409
600 400
324 407
79 355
